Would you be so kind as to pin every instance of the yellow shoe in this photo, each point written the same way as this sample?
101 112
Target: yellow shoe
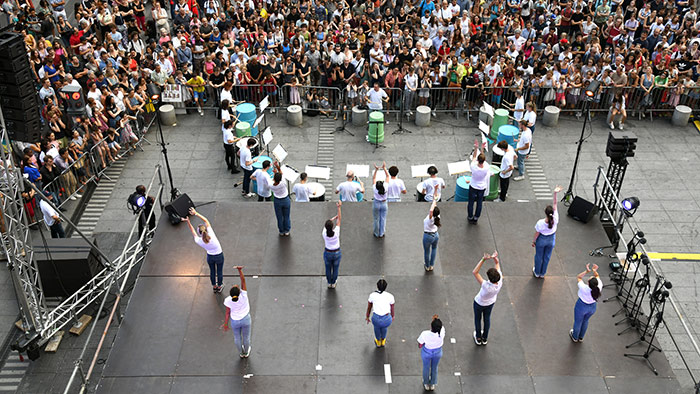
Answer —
377 342
383 342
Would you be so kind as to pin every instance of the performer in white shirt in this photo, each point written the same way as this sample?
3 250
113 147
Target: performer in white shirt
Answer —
301 190
506 169
395 186
483 302
263 180
348 189
430 343
432 187
205 237
522 149
478 184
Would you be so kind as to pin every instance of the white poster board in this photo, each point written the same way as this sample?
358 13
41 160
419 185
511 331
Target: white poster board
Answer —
289 174
360 170
318 172
459 167
264 103
420 171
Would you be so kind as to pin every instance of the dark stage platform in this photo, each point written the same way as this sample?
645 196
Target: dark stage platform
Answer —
170 341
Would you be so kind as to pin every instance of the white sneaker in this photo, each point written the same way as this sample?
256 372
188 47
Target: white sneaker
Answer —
434 114
621 126
272 111
426 387
432 387
72 198
498 200
249 195
519 178
612 126
78 195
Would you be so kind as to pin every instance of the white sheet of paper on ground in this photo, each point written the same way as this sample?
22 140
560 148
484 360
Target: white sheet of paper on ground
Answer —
420 171
264 103
458 167
483 127
267 136
452 340
360 170
280 153
257 121
488 108
318 172
289 174
319 367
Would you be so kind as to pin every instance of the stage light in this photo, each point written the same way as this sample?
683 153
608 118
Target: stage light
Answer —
136 201
592 88
153 91
630 203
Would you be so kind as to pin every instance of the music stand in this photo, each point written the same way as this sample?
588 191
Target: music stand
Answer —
344 122
458 168
400 129
376 140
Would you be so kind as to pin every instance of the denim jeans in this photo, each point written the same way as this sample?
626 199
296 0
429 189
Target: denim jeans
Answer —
282 209
543 252
381 325
431 358
430 244
379 209
57 230
582 313
521 163
480 311
246 180
241 333
332 260
216 268
478 196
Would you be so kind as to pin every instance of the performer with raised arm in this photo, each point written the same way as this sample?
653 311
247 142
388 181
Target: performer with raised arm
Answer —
545 237
431 224
331 252
484 301
588 294
238 315
379 207
478 184
204 237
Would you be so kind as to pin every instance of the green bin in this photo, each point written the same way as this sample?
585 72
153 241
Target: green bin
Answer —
243 129
494 183
500 117
376 127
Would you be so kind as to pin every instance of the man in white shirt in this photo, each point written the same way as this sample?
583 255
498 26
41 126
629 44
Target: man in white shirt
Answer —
302 190
425 42
263 180
51 217
375 54
488 292
395 186
431 184
348 189
506 169
478 184
522 149
491 70
519 109
247 161
229 146
375 97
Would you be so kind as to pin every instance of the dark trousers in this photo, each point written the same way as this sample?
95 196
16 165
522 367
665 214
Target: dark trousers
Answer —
479 312
216 269
246 180
230 157
261 198
475 195
505 182
57 231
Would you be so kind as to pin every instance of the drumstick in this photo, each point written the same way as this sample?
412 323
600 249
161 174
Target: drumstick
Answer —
237 184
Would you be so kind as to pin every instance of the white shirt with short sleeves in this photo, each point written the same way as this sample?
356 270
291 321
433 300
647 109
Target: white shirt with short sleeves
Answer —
375 98
48 213
531 117
507 161
332 243
228 136
263 180
489 291
429 225
543 228
394 188
246 157
213 247
525 138
519 104
480 176
430 184
584 291
348 190
301 191
239 309
432 340
280 191
381 302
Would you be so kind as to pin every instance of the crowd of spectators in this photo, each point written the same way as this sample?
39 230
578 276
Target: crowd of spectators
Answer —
449 54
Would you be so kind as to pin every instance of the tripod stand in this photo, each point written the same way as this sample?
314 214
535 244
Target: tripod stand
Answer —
344 120
642 286
376 137
401 130
658 301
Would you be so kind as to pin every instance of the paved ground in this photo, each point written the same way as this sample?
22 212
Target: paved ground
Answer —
660 175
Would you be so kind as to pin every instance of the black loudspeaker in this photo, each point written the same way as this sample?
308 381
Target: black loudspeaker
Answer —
581 210
65 265
179 208
75 104
18 96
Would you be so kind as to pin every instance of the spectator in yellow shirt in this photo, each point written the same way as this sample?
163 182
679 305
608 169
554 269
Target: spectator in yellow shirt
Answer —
197 84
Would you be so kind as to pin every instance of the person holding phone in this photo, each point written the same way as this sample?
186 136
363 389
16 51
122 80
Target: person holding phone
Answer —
237 315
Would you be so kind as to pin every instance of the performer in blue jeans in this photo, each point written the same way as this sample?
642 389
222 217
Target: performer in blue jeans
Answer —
205 237
431 224
238 315
484 301
545 237
379 207
282 203
430 343
381 305
588 295
332 254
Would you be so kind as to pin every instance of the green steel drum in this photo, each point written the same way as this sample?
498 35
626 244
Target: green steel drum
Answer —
243 129
493 183
500 117
376 127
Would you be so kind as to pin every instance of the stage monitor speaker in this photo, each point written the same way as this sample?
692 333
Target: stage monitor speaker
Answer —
581 210
75 105
179 208
67 266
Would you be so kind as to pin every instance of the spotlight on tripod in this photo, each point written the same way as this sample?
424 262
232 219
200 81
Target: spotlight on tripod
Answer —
630 205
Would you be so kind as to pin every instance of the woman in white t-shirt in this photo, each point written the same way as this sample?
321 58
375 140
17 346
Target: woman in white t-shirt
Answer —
331 252
588 295
381 305
238 315
379 206
204 236
430 344
484 301
431 224
479 182
545 237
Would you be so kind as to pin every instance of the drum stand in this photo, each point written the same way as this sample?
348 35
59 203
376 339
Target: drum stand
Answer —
344 122
401 130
